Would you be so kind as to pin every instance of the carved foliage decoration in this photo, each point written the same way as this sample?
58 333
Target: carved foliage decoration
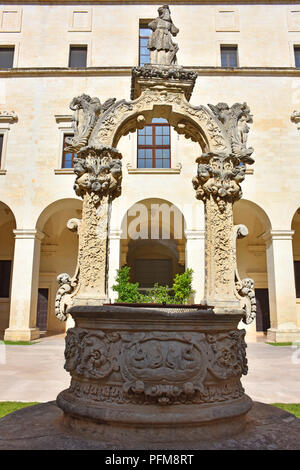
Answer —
235 121
197 123
156 367
87 111
219 175
99 173
219 251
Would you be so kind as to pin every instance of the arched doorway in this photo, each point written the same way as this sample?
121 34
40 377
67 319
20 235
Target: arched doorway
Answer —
7 225
251 258
153 242
59 249
296 257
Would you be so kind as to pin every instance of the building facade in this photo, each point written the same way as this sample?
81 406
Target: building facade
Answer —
50 53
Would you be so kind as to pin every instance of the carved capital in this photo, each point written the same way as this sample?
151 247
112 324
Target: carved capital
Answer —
219 175
99 173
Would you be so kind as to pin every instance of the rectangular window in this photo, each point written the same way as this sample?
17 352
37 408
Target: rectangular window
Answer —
229 56
6 57
42 309
149 271
78 56
297 56
1 147
297 278
154 145
5 267
144 53
67 157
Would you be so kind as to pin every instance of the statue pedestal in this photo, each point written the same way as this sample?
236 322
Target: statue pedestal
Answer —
154 376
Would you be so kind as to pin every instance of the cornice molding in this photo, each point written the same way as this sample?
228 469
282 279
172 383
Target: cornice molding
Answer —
150 2
271 235
32 234
8 117
126 71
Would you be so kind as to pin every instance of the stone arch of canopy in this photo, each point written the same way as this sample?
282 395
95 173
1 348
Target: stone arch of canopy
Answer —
196 123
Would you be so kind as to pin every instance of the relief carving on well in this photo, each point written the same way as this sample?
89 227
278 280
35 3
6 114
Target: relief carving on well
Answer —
156 367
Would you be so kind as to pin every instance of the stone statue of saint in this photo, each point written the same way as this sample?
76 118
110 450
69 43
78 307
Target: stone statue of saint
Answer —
162 49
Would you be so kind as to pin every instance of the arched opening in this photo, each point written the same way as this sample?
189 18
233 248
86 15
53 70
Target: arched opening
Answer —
7 225
153 242
296 257
59 250
251 257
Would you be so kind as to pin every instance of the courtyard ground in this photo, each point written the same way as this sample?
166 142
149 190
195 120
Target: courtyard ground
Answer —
35 372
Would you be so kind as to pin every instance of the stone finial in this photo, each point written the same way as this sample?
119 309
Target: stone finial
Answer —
162 48
87 111
235 121
220 175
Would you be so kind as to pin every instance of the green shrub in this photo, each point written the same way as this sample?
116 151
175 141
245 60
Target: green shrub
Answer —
127 291
182 286
158 295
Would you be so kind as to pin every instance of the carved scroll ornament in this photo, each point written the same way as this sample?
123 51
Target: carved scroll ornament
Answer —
244 287
67 285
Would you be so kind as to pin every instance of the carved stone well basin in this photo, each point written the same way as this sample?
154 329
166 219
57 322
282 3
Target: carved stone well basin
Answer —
154 376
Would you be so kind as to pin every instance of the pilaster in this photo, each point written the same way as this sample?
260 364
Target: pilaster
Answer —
23 309
114 261
195 259
281 284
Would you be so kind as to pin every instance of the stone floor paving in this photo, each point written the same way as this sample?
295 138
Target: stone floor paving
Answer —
36 373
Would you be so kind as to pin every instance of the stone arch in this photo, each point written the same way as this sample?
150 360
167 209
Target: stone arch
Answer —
7 225
163 244
196 123
254 207
54 207
59 249
296 255
251 257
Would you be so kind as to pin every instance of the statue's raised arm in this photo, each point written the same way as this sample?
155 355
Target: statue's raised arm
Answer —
162 49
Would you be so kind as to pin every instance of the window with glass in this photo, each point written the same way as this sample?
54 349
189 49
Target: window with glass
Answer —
67 156
297 56
78 56
7 57
154 145
229 56
144 53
